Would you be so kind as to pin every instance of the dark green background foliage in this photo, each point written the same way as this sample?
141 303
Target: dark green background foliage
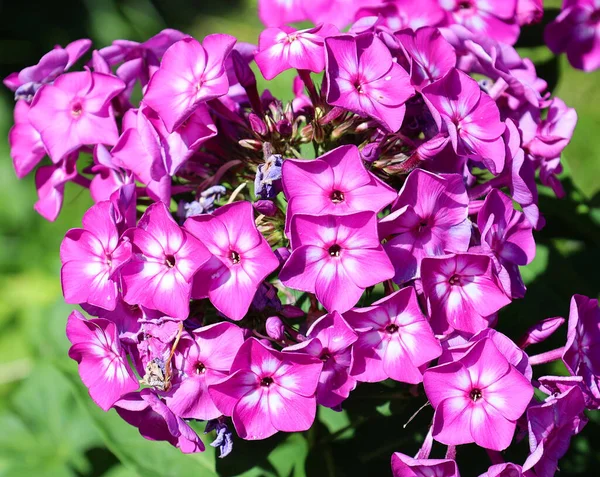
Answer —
48 424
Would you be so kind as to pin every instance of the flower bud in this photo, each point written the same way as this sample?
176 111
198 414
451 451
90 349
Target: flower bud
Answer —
275 328
540 331
253 144
266 207
257 124
371 152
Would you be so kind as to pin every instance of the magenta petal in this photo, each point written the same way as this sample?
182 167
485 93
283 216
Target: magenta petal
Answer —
251 416
452 421
331 279
490 429
290 412
226 393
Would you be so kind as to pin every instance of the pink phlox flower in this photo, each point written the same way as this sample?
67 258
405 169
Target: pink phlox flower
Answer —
555 132
240 258
122 51
203 357
463 291
108 177
429 53
470 116
330 339
405 466
92 258
283 48
156 422
493 18
506 234
268 391
50 184
75 111
139 150
582 349
477 398
26 146
401 14
179 145
335 183
332 253
125 317
275 13
520 175
190 74
339 12
551 426
394 339
529 11
508 469
456 347
576 32
363 78
102 362
428 219
27 82
165 259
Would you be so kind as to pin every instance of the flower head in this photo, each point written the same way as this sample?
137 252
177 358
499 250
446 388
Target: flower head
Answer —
166 257
204 357
470 117
363 78
428 219
477 398
330 339
268 391
335 183
240 258
75 111
462 290
156 422
190 73
283 48
332 253
103 366
92 258
394 339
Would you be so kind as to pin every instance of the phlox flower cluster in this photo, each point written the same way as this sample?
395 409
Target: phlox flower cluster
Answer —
248 260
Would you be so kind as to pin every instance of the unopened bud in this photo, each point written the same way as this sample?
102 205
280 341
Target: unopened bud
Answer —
257 124
253 144
275 328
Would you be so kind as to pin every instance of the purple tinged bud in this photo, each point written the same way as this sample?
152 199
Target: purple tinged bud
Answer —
266 298
371 152
284 127
275 328
540 331
266 207
257 124
332 115
282 254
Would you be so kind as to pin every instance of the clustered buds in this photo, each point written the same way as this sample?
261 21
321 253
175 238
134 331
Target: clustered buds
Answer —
258 283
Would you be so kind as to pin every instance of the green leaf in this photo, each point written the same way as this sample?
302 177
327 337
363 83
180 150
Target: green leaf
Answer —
147 458
44 432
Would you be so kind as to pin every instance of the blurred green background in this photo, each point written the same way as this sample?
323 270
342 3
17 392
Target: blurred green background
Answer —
49 426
